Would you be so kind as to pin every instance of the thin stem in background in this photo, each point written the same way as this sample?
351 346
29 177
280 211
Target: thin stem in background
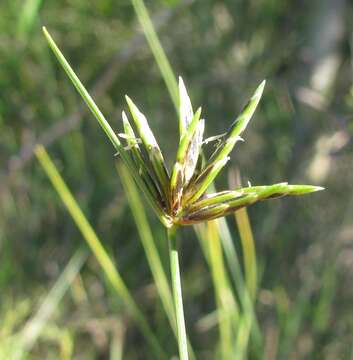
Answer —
27 17
228 312
97 248
144 230
238 279
157 50
249 251
177 293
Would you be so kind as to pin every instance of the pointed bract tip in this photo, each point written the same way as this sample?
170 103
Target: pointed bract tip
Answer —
319 188
311 188
304 189
131 104
182 87
260 89
123 114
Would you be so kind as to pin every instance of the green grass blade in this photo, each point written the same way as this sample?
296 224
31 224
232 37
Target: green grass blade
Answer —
97 248
157 50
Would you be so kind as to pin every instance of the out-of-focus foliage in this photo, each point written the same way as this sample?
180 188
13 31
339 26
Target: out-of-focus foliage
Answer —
302 132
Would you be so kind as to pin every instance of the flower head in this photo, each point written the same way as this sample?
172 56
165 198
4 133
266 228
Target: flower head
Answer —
179 197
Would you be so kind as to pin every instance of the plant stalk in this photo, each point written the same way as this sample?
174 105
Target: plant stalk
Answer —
177 293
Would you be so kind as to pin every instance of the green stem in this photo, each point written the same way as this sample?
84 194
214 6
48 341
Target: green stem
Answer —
177 294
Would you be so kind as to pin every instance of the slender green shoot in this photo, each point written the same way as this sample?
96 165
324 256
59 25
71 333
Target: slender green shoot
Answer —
177 293
157 50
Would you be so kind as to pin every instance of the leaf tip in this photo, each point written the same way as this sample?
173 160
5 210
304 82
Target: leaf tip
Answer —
304 189
123 115
131 104
46 33
260 89
318 188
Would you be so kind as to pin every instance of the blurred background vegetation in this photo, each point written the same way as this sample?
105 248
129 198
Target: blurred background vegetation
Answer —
301 132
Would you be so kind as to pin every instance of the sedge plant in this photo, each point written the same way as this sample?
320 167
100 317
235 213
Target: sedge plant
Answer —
179 196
